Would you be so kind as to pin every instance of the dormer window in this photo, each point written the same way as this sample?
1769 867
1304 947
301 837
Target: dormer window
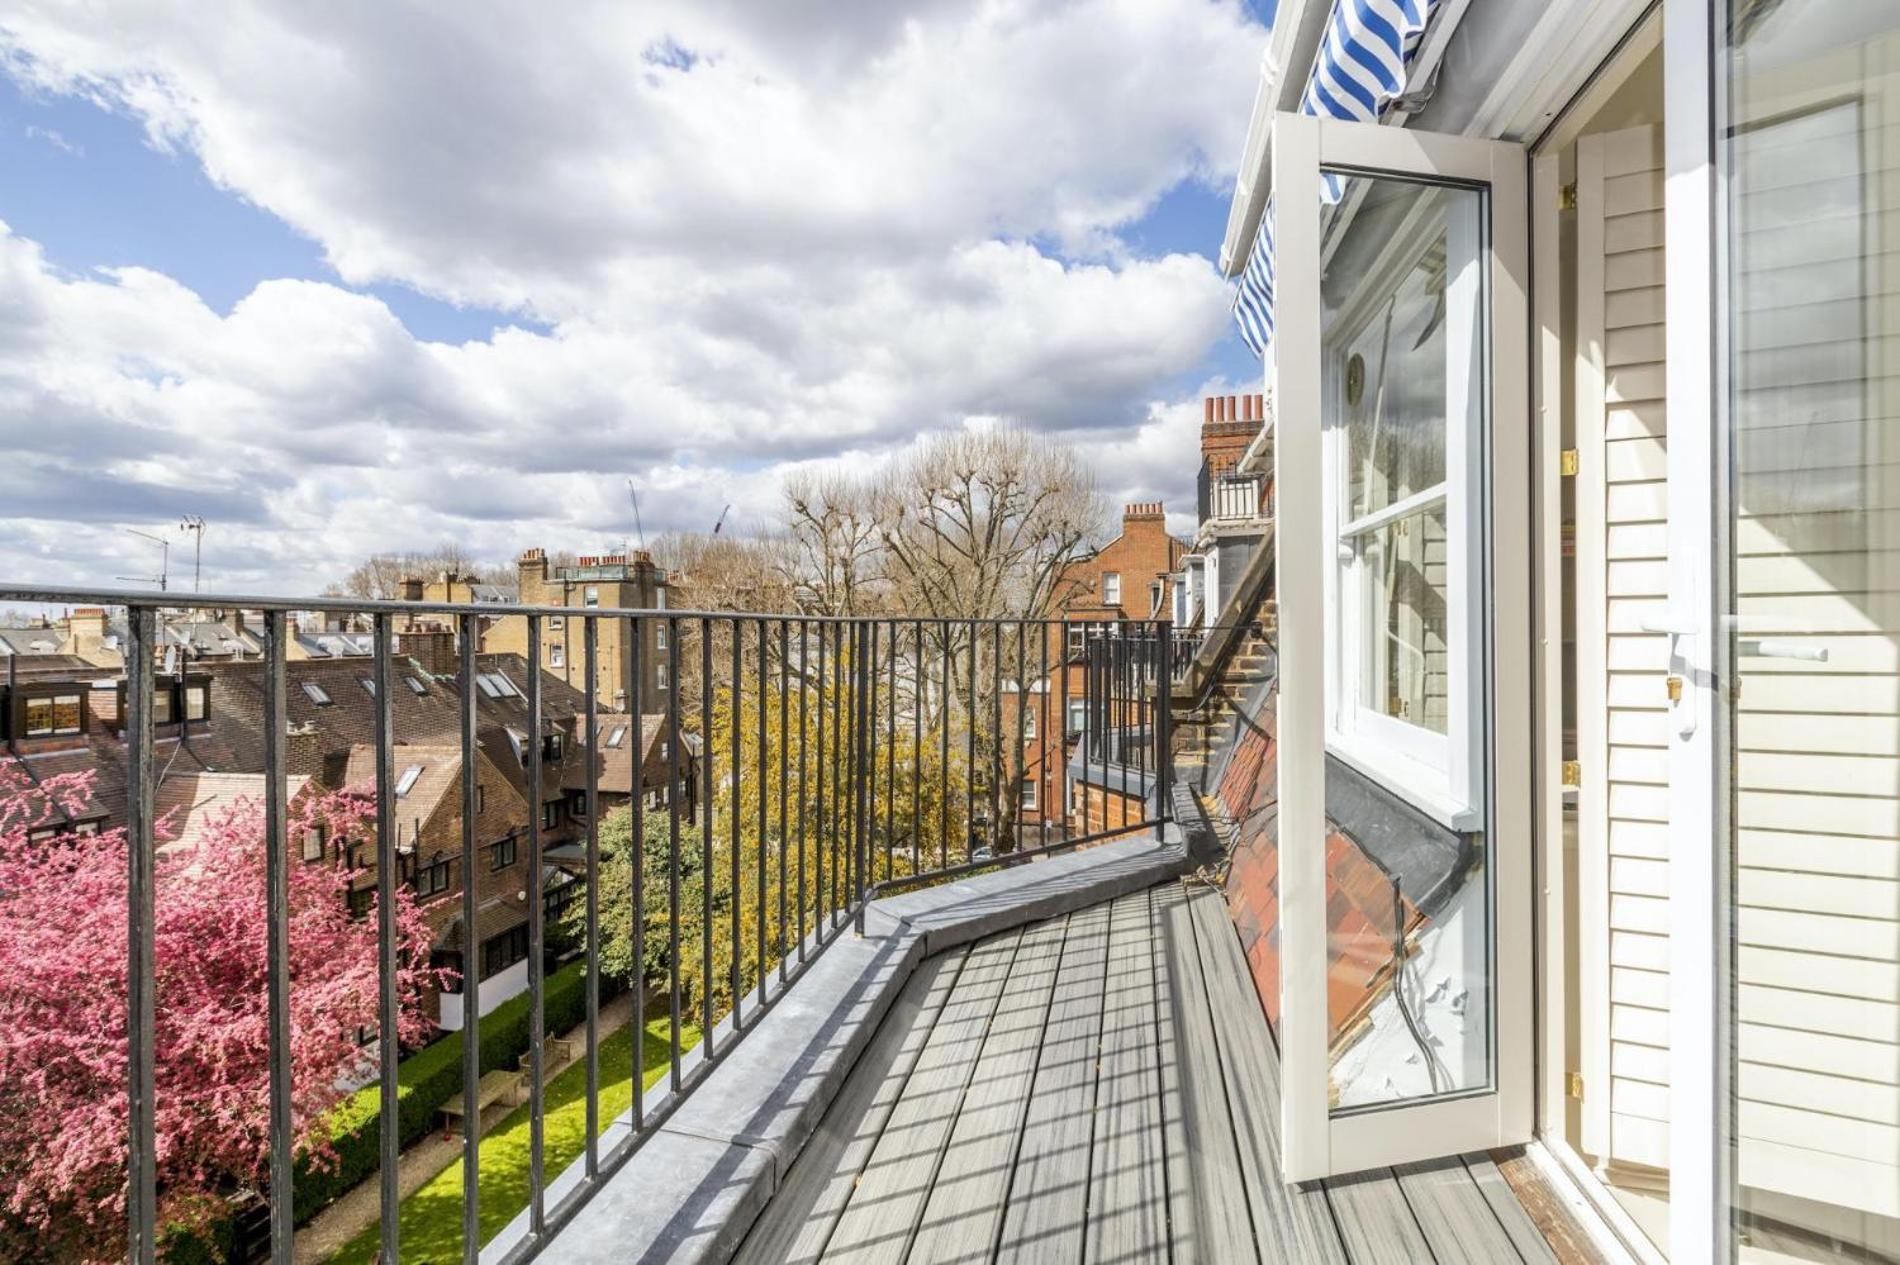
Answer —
552 746
51 715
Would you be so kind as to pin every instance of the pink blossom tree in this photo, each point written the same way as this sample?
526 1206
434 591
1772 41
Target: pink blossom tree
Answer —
63 1039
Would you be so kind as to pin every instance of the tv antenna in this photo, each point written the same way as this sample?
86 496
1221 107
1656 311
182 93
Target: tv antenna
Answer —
196 526
633 494
164 562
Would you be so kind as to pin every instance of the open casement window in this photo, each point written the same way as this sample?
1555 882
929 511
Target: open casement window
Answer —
1398 370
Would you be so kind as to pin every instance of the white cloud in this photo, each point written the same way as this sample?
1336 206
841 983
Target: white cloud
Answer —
756 235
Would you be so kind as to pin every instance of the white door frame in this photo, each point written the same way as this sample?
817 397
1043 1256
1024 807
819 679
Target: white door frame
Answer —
1316 1143
1696 382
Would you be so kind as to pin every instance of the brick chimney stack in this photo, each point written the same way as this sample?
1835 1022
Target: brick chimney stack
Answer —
431 647
1142 512
409 589
1228 425
533 563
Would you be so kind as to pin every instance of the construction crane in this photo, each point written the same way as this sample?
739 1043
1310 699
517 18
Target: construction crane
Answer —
633 494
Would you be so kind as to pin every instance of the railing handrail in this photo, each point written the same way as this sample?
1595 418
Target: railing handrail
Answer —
92 596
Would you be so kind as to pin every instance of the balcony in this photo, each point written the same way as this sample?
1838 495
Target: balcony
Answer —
1228 497
788 978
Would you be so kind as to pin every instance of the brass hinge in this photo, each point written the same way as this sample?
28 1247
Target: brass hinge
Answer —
1674 686
1573 1085
1567 463
1573 773
1567 197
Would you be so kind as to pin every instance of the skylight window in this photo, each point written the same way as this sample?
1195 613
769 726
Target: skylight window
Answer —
487 683
369 685
618 736
407 782
416 686
316 693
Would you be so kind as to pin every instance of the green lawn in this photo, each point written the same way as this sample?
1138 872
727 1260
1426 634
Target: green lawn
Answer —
431 1226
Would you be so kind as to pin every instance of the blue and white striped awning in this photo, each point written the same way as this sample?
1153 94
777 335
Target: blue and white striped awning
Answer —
1360 70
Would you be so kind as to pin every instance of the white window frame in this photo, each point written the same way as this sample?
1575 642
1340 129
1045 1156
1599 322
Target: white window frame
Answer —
590 595
1440 774
659 635
1111 588
660 676
1029 794
557 655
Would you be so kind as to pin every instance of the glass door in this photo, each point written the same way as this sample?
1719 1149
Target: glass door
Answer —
1403 464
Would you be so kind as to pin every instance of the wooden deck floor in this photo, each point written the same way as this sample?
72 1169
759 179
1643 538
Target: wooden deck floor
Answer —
1101 1087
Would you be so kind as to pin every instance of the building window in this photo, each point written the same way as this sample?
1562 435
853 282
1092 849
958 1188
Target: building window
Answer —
618 736
361 901
197 702
316 693
504 950
431 879
590 596
503 853
557 901
1078 714
553 745
481 798
54 714
407 782
557 655
313 844
1078 636
1029 725
1030 793
557 621
660 676
1111 588
369 685
1155 594
550 814
577 805
659 636
416 686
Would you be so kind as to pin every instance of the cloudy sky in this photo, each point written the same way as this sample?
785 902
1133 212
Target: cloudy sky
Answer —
358 276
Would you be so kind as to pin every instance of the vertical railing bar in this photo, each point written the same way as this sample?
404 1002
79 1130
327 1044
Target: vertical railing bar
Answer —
590 650
969 758
1137 689
1062 721
916 743
838 713
888 813
1089 691
784 748
469 635
1164 726
637 761
706 839
1042 733
763 797
820 806
996 737
866 796
736 759
943 755
673 835
141 946
537 940
277 936
388 1038
804 762
1022 756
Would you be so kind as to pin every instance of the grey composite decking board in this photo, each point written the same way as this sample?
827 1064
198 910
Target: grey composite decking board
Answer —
798 1222
1453 1213
878 1221
1127 1203
1528 1239
1047 1206
1103 1088
1291 1223
1376 1222
1206 1181
964 1210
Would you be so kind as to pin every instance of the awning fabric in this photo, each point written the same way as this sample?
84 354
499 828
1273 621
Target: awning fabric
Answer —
1359 71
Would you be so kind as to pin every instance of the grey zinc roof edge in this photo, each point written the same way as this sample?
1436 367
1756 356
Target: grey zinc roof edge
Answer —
693 1191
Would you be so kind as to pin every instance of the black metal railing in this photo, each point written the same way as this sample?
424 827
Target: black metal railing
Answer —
800 767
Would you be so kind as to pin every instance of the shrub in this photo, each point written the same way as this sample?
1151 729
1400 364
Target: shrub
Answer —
430 1077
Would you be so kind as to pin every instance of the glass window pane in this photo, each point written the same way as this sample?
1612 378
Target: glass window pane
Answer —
1814 602
1409 953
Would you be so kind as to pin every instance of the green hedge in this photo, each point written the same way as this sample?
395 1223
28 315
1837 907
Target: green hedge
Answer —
430 1077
